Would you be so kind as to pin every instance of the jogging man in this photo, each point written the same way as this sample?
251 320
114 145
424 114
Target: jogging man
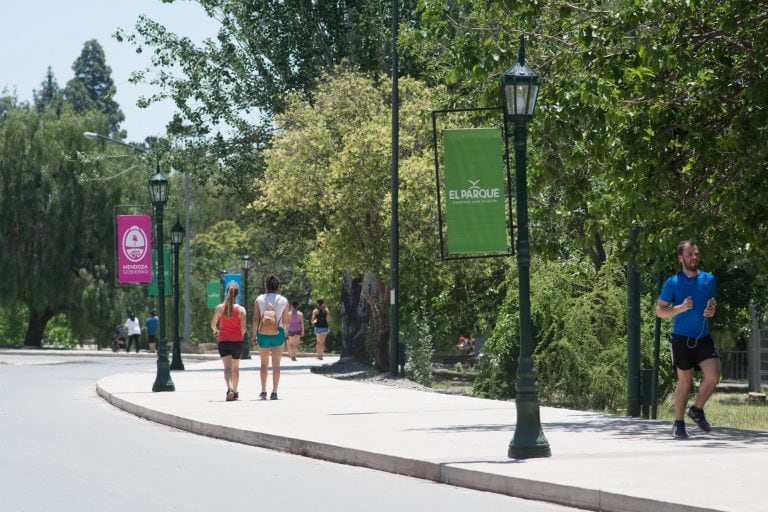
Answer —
688 298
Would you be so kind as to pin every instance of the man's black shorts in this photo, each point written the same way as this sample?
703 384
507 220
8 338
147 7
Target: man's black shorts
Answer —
231 348
688 352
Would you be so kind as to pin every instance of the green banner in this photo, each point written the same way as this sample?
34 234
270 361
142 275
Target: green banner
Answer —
213 291
167 284
475 213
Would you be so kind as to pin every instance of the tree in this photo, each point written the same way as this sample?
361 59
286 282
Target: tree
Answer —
231 86
651 119
92 87
328 172
263 50
50 95
56 232
651 114
330 161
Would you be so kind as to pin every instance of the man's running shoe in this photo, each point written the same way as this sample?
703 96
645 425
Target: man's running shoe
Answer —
678 430
697 415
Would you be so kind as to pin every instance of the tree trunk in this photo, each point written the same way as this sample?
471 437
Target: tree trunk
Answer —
355 317
376 295
36 327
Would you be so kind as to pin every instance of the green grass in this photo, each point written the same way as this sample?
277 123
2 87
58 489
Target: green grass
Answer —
729 410
465 388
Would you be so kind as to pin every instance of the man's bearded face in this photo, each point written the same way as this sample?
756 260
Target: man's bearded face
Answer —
690 258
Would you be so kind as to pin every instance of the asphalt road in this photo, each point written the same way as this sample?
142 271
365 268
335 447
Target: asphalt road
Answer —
62 448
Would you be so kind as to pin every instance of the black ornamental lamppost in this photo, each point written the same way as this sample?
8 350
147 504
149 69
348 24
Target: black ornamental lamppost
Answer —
519 90
245 265
158 192
177 238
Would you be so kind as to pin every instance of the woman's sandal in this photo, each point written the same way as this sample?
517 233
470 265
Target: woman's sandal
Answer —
230 395
263 395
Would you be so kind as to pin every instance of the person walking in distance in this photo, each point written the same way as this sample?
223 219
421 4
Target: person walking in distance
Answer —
228 325
295 329
320 317
270 314
134 332
688 298
152 324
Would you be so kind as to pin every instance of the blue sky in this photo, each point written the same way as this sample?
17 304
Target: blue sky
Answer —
41 33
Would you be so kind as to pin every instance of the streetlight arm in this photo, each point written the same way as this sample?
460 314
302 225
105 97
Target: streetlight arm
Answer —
98 136
138 149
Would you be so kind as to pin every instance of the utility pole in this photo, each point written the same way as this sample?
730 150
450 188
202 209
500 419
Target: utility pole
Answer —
187 262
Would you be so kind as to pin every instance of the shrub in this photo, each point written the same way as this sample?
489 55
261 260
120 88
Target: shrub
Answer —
12 322
419 350
496 365
579 334
58 334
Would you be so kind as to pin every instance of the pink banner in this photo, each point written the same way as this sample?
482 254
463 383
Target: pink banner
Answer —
134 249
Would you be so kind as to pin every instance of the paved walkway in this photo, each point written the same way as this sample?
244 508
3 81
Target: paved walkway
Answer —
598 461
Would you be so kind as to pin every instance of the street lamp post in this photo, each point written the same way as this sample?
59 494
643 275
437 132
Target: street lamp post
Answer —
519 90
245 265
177 238
158 191
222 273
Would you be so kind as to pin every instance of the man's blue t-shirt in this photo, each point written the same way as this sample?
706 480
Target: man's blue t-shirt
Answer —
152 323
691 323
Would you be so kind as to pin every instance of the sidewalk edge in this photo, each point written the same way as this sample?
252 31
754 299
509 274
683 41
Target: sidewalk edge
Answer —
592 499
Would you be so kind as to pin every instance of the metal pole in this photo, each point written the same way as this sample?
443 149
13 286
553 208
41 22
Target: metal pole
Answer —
394 257
633 328
656 354
176 362
528 440
753 355
163 380
187 264
246 354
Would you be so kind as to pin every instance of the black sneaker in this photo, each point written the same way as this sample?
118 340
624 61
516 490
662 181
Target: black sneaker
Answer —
697 415
678 430
263 395
273 396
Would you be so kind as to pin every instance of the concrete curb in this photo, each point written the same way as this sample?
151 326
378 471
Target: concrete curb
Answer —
573 496
107 352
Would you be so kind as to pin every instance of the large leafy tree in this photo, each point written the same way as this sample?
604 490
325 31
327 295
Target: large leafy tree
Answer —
262 51
92 87
651 114
329 170
56 239
651 119
316 166
229 87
